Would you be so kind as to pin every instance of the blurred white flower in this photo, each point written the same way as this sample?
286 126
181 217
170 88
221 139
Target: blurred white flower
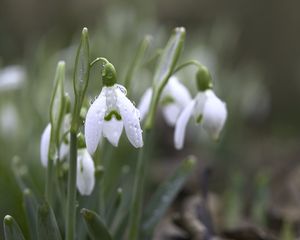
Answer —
108 114
9 120
44 147
208 110
85 165
85 172
12 77
174 98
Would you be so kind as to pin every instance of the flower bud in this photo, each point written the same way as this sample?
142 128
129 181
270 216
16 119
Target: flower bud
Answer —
203 79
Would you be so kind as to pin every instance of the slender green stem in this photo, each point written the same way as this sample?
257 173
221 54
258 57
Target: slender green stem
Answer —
191 62
137 199
49 181
71 198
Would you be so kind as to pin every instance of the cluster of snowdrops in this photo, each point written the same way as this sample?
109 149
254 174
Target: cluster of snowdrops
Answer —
75 131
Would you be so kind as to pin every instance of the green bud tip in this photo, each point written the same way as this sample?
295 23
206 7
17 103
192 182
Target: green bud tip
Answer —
81 141
109 75
191 161
27 191
61 64
180 29
120 191
85 31
8 219
88 215
204 80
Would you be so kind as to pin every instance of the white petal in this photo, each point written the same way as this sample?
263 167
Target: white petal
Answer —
144 104
181 125
63 150
94 123
85 172
44 146
214 116
112 130
200 101
131 120
171 113
180 97
178 91
12 77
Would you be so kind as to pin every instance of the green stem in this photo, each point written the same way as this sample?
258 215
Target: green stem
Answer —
191 62
49 182
71 198
137 199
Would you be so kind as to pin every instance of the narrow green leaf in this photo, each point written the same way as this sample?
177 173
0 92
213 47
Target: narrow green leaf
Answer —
30 207
95 226
169 57
12 230
47 225
81 75
164 70
165 195
57 103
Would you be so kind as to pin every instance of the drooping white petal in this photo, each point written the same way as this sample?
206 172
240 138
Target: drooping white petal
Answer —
178 91
144 104
131 119
171 113
94 123
112 130
179 96
214 116
181 124
64 150
85 172
44 146
200 101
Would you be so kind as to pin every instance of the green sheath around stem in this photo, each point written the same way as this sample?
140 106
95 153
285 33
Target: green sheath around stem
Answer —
71 202
137 198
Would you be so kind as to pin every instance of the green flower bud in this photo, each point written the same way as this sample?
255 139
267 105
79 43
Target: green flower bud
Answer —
109 75
203 78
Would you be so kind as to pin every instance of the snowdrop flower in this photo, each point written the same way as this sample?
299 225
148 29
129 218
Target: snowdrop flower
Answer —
85 165
108 114
45 143
208 110
12 77
174 98
85 172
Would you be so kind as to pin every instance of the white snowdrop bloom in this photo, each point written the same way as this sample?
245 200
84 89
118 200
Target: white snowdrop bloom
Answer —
45 141
85 172
9 121
12 77
108 114
208 110
174 98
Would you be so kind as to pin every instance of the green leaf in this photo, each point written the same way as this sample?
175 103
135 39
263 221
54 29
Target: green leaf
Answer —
81 75
12 230
30 207
57 104
164 70
47 225
165 195
95 225
169 57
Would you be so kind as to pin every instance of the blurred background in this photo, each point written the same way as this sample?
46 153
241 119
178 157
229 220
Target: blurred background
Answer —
251 48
